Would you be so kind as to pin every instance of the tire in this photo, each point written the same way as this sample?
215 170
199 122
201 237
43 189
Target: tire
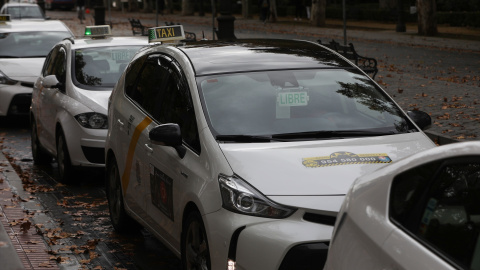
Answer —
40 156
122 223
65 168
195 250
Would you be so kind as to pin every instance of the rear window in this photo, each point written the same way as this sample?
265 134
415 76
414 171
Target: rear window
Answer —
29 44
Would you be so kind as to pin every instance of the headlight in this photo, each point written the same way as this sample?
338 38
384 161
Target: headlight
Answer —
239 197
92 120
6 80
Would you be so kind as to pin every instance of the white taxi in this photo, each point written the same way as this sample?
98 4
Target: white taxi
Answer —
69 102
23 48
421 212
238 154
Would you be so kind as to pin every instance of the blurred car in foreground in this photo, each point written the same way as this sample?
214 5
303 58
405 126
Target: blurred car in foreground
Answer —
421 212
23 48
69 102
239 153
23 11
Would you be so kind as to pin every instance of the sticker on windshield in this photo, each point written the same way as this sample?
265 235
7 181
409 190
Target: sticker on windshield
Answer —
345 158
123 55
292 99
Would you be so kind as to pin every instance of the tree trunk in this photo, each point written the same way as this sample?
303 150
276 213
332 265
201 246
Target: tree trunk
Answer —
246 9
188 7
427 24
318 17
387 4
168 7
273 11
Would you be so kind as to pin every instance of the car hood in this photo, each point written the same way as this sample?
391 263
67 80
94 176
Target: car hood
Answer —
97 101
317 168
22 69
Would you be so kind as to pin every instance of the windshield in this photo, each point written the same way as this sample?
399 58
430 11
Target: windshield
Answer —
100 68
29 44
298 101
25 12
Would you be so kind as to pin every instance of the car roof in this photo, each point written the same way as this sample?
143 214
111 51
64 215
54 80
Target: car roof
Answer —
29 26
20 5
214 57
115 41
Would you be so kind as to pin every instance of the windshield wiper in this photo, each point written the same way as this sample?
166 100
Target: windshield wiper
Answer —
9 56
331 134
248 138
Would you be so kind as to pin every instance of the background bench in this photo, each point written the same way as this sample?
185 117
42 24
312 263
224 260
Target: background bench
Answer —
138 28
367 64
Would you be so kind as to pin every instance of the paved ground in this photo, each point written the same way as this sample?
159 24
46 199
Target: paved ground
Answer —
439 75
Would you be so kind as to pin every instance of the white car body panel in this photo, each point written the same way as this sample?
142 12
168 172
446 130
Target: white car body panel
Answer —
367 237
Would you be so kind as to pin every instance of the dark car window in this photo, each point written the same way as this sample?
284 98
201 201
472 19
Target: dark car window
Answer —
295 101
162 92
24 12
439 204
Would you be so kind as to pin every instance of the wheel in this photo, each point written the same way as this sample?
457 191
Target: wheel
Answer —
40 156
195 251
65 168
121 222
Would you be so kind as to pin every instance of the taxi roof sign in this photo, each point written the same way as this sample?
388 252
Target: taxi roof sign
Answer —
4 18
98 31
166 34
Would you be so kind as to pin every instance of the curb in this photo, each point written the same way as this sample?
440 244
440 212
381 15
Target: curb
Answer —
8 254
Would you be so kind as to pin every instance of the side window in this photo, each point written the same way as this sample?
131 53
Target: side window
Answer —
59 66
49 62
439 204
131 75
161 90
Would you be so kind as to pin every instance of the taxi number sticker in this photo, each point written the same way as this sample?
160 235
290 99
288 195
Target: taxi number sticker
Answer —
161 188
121 55
292 99
345 158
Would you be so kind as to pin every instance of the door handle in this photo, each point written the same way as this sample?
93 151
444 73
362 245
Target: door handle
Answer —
149 149
120 123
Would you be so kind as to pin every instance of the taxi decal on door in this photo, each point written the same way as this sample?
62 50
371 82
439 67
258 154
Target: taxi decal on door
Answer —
161 188
131 150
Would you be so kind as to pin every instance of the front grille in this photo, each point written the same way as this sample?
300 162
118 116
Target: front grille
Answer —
321 219
94 154
306 256
20 104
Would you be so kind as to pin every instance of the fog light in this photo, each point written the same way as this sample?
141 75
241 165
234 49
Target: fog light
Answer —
231 265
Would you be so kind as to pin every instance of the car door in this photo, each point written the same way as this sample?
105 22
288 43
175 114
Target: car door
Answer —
171 178
436 208
48 97
128 121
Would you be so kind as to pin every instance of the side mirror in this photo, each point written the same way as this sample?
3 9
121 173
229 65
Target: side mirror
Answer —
51 81
168 135
422 119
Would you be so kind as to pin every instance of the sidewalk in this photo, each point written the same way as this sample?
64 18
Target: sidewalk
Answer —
21 247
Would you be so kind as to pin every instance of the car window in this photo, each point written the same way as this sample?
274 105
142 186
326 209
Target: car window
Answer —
100 68
292 101
29 44
439 204
24 12
57 66
49 60
161 90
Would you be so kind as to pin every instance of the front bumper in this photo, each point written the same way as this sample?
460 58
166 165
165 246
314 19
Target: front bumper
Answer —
15 99
86 146
261 243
